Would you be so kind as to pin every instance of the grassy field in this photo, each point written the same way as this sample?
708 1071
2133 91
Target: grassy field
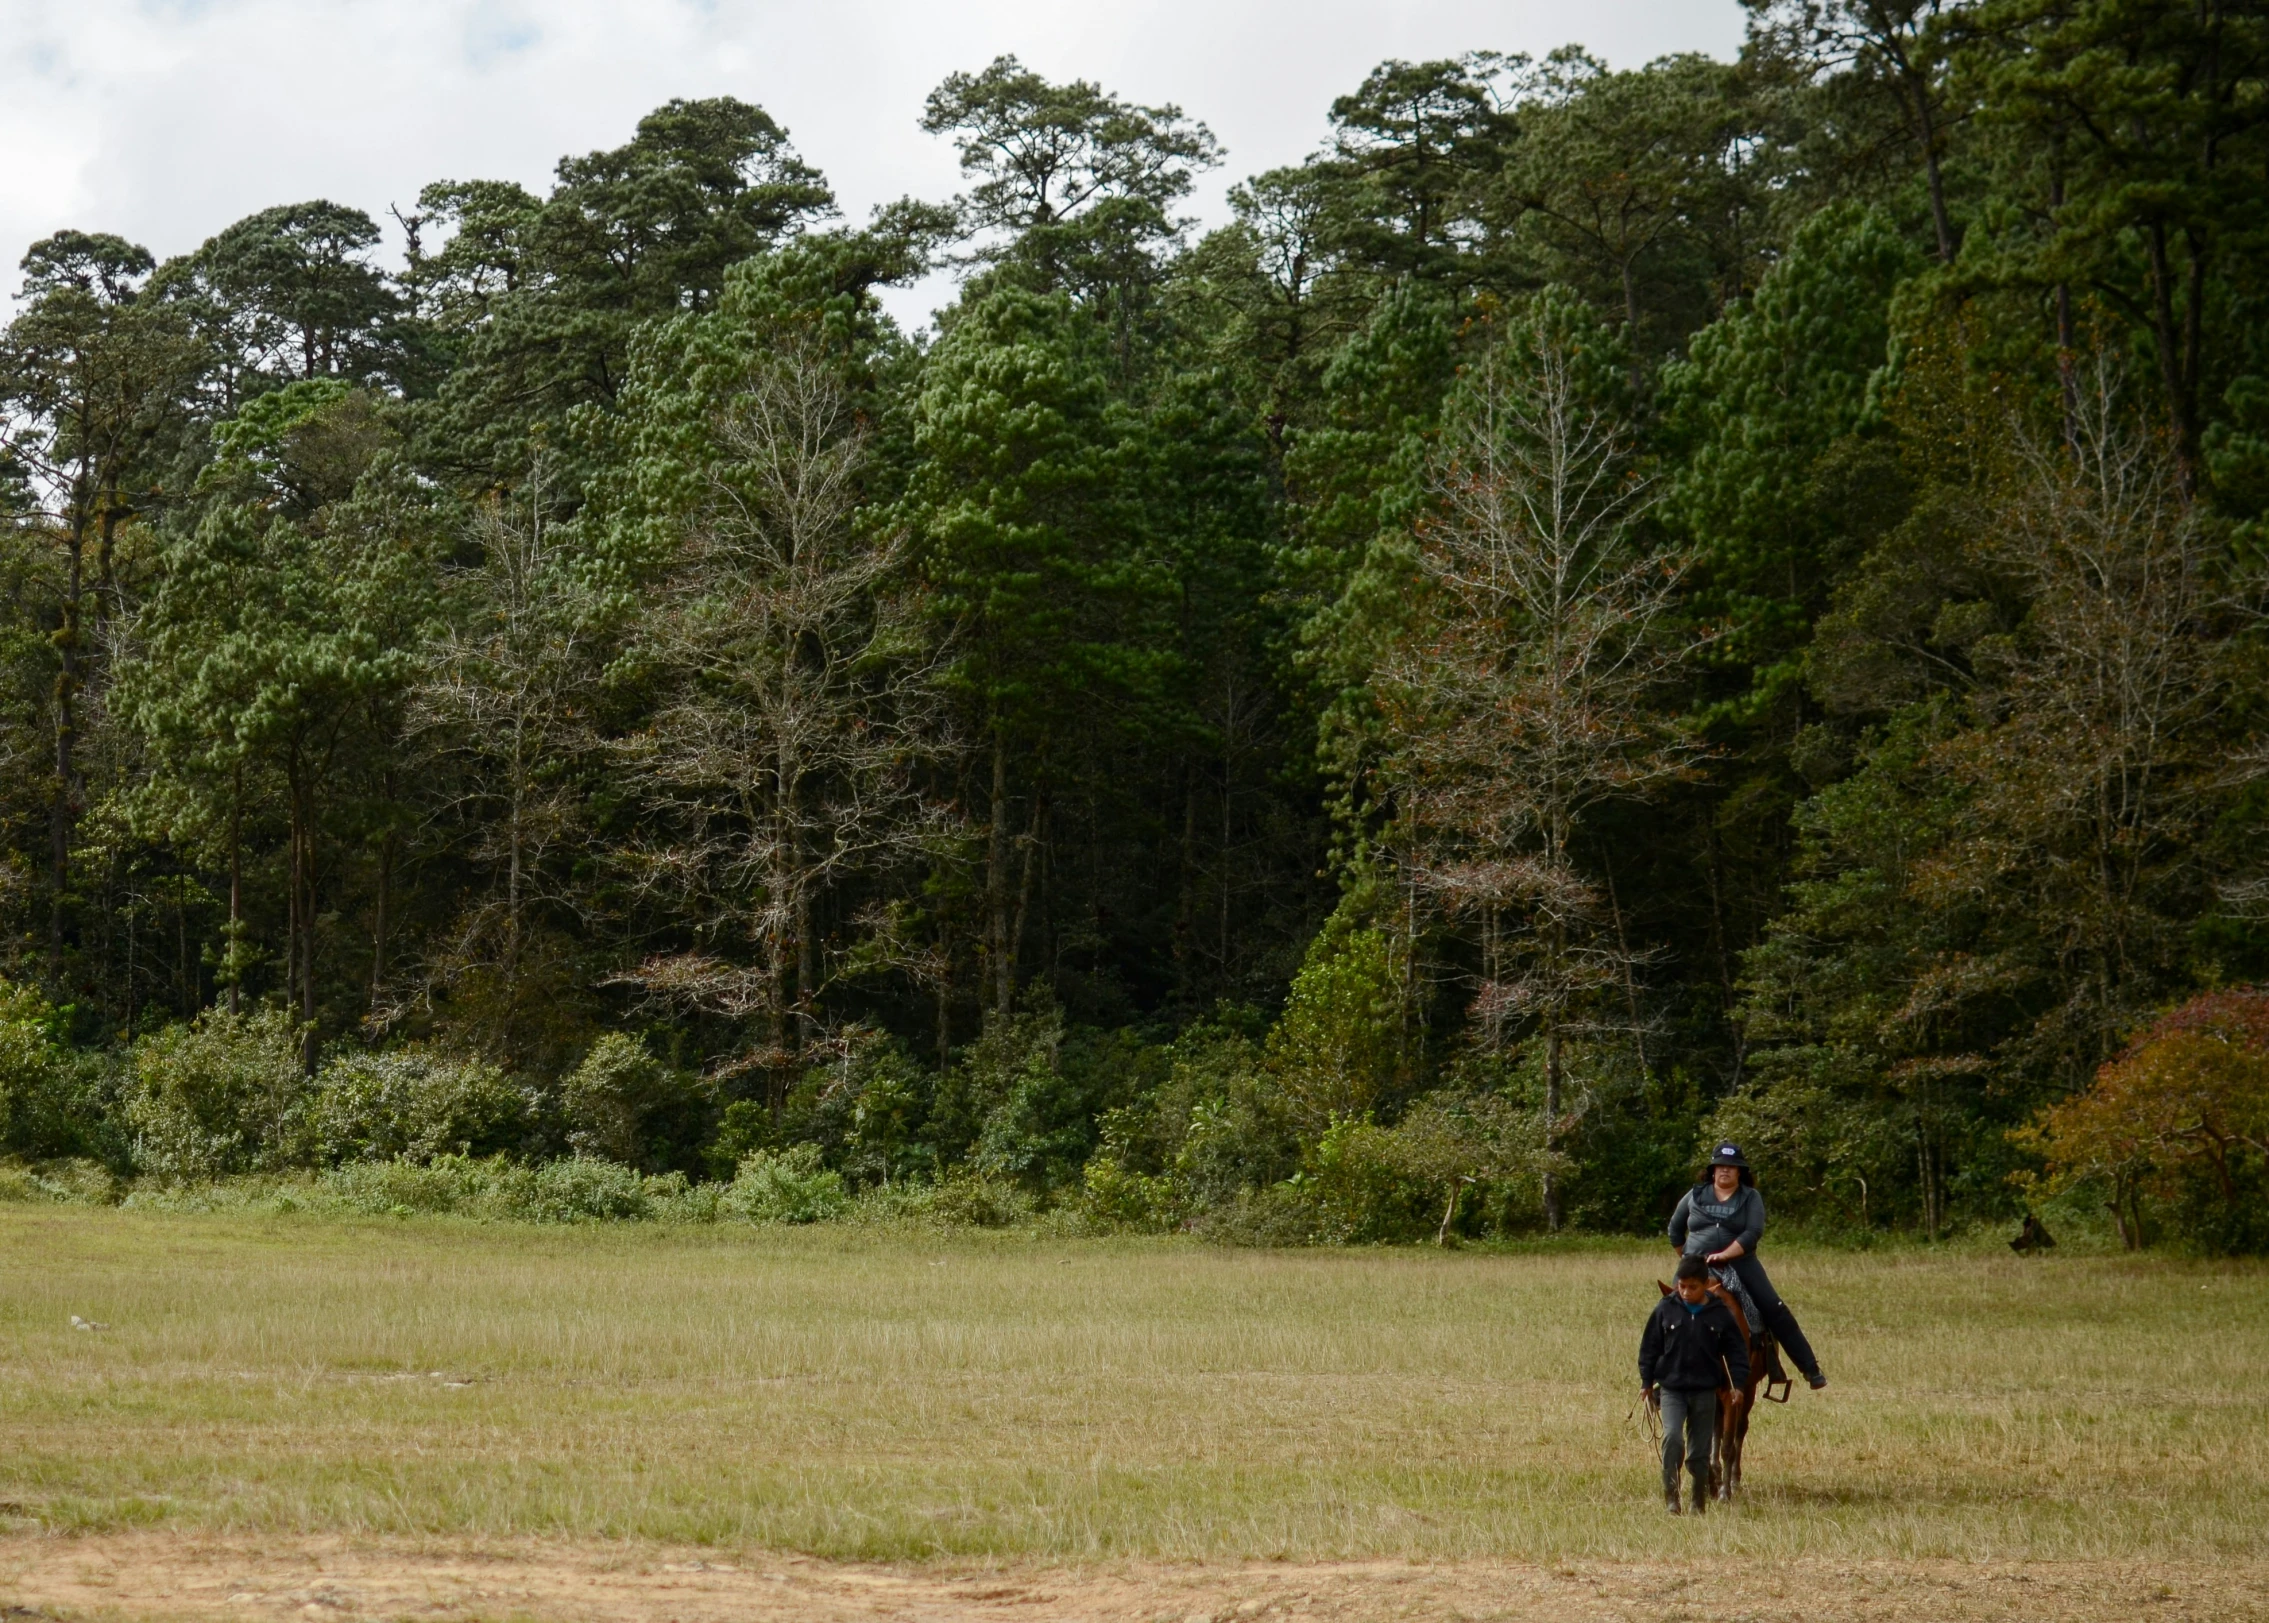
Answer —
855 1393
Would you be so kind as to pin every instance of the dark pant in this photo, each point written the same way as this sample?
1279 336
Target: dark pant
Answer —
1689 1433
1778 1318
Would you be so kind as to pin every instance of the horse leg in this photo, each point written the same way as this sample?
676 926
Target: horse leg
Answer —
1741 1435
1725 1471
1742 1407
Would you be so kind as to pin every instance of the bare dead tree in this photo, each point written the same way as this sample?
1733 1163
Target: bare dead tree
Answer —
2099 718
507 699
803 702
1525 698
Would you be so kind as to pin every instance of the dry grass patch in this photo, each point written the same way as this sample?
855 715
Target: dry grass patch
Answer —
882 1397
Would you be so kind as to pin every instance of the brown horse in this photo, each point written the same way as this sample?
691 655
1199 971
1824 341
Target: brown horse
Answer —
1735 1407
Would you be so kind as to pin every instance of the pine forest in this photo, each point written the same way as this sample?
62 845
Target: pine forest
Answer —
1607 610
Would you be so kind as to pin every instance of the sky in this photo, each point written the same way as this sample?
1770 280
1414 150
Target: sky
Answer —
165 120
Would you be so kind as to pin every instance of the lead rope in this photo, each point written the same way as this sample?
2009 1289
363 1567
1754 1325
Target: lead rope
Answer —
1652 1424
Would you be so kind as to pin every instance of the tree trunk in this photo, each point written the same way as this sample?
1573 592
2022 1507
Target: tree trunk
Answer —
1630 980
2194 337
2066 345
945 1007
1637 372
307 1043
380 920
128 910
1002 971
807 961
1228 834
64 813
234 961
2182 418
1185 889
1033 843
291 902
185 1000
1450 1211
514 836
1552 1128
779 950
2067 338
302 837
1725 965
1926 129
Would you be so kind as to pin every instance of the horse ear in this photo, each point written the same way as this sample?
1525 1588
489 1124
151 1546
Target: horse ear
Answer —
1660 1286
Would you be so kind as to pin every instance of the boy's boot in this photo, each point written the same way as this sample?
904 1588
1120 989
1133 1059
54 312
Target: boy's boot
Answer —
1701 1495
1670 1500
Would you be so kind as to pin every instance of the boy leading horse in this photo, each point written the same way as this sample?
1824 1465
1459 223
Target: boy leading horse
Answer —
1691 1348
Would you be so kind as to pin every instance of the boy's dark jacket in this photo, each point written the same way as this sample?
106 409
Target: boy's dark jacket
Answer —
1692 1352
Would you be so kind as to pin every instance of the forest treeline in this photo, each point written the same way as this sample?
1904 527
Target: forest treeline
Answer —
1605 608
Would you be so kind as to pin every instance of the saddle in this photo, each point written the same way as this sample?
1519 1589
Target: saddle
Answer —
1752 1321
1764 1347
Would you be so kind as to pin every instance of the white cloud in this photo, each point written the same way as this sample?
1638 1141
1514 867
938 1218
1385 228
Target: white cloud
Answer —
164 120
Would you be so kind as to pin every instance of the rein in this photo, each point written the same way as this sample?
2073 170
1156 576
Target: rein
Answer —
1763 1349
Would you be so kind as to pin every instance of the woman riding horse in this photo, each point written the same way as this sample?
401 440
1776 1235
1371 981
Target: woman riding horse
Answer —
1721 1220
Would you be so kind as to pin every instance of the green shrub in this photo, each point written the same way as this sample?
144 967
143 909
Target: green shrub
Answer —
790 1186
1283 1214
1233 1142
224 1095
387 1188
624 1105
909 1202
986 1073
976 1200
865 1109
1040 1129
414 1104
1361 1188
1114 1197
673 1198
1024 1102
579 1189
71 1182
29 1059
743 1128
54 1104
1337 1051
1214 1127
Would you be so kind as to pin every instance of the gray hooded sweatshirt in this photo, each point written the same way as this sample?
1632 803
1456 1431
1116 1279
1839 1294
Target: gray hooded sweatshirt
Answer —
1704 1224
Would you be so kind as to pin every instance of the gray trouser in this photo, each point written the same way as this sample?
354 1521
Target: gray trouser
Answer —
1689 1432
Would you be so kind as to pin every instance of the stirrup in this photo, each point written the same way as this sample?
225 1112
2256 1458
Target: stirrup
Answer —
1776 1373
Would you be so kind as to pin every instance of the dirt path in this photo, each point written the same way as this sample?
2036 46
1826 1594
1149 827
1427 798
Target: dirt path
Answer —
164 1576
